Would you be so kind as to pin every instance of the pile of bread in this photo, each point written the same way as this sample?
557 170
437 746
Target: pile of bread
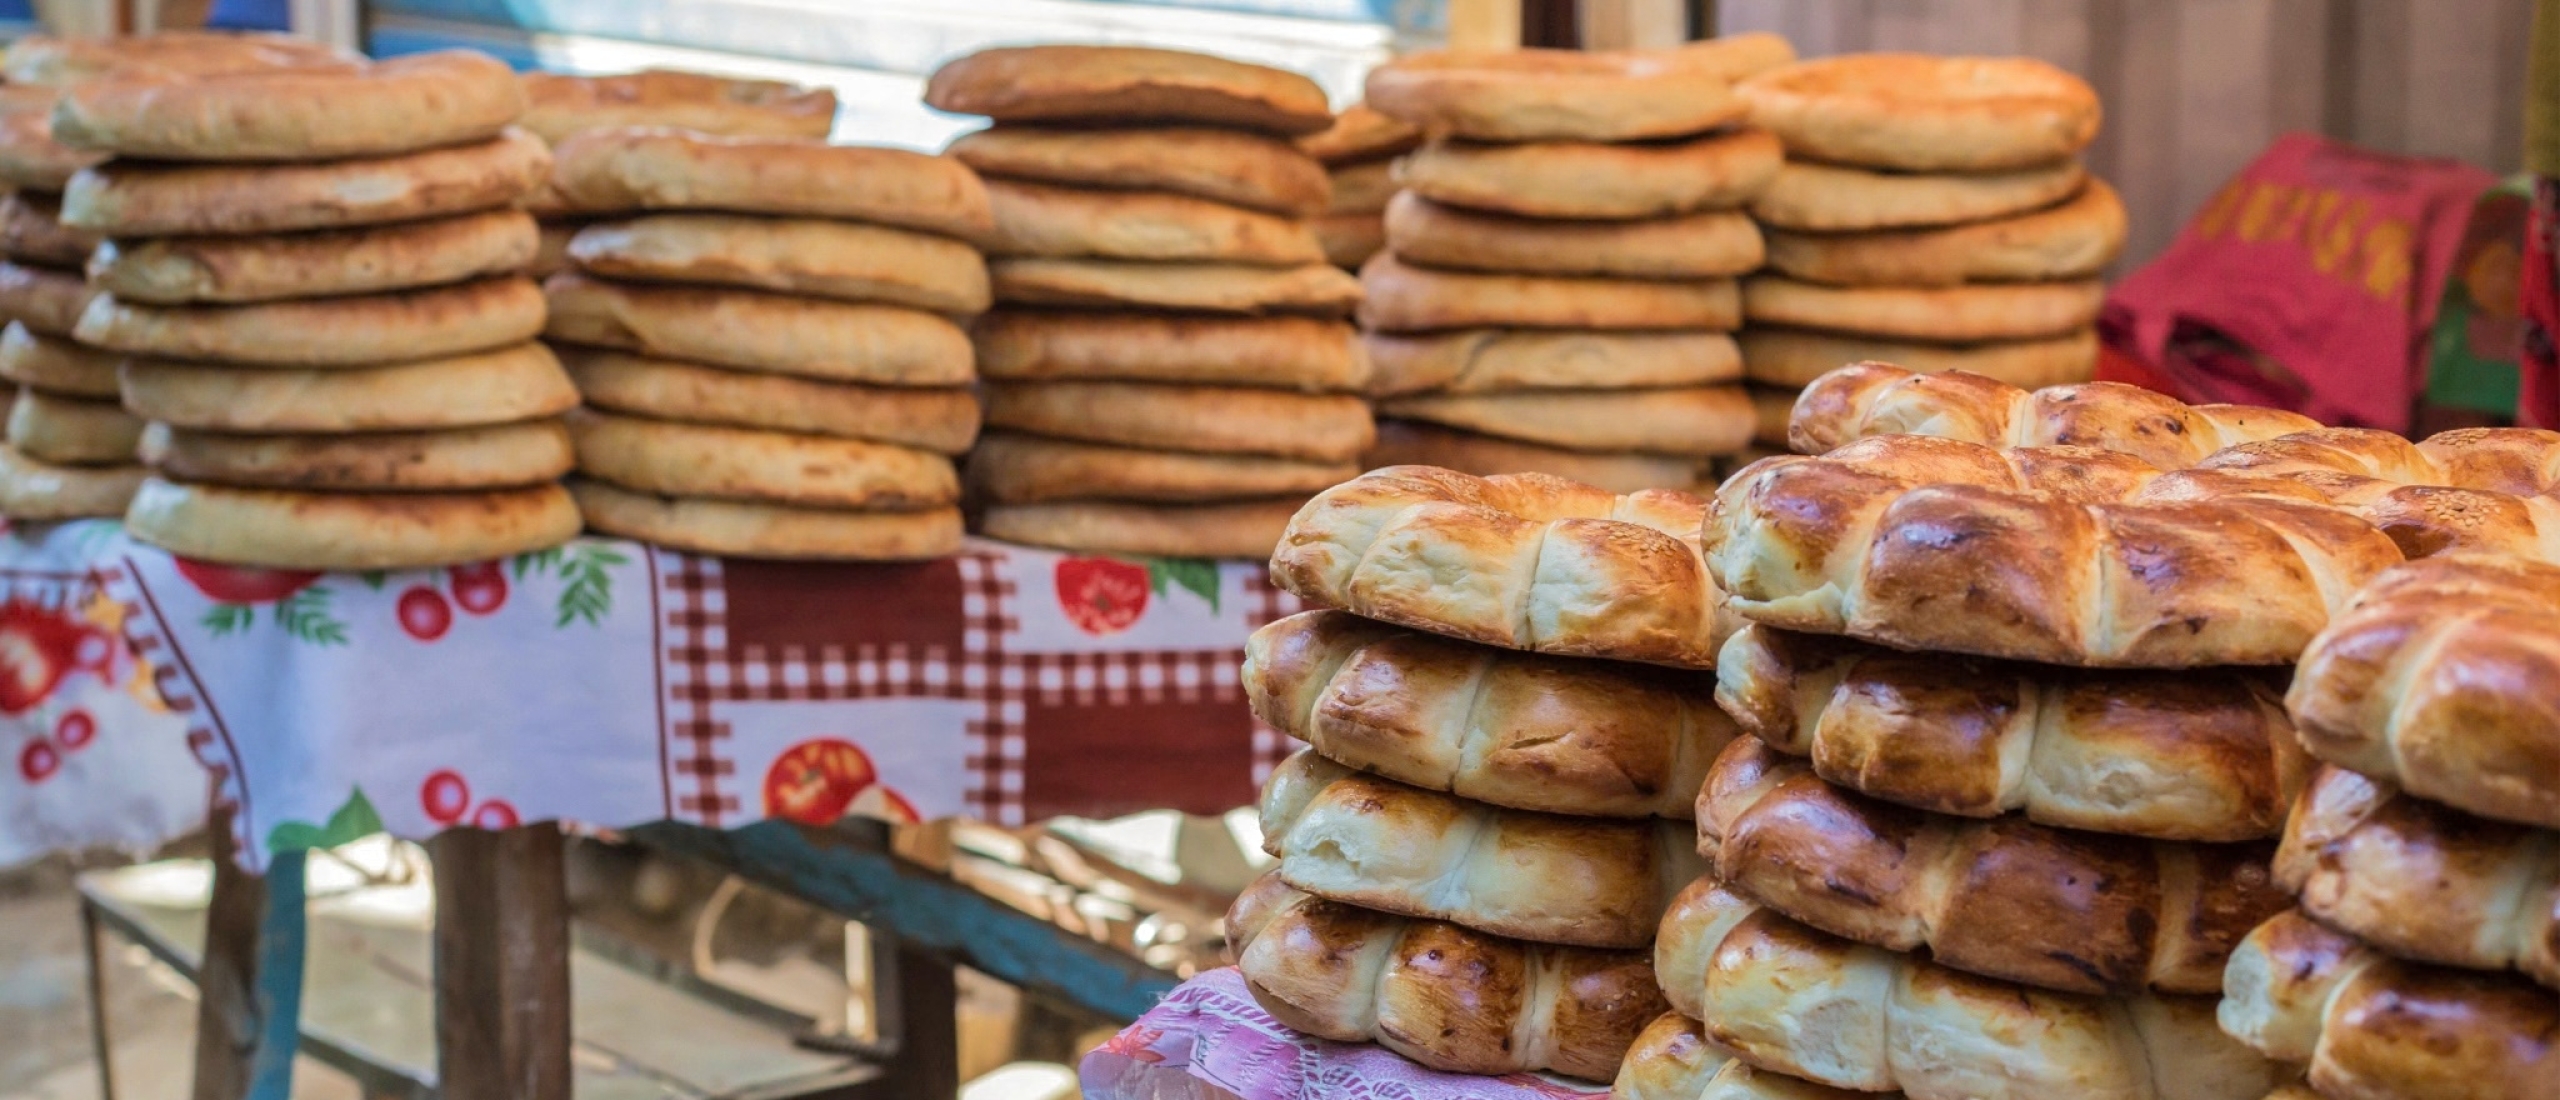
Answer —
1359 154
2081 743
1168 370
1558 287
1932 212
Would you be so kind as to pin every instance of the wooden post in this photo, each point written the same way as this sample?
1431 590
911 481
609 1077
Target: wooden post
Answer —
917 1002
249 993
501 965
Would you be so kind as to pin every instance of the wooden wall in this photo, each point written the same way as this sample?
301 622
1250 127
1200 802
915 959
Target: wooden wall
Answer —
2194 88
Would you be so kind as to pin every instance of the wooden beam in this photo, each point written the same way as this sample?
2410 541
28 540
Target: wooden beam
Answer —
501 965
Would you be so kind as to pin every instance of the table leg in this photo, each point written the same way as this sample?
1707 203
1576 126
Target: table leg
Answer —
918 1002
249 1002
93 947
501 965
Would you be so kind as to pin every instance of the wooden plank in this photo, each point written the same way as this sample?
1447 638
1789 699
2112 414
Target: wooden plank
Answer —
501 962
249 1004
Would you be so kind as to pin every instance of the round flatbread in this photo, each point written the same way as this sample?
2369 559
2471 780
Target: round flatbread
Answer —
1207 419
31 231
1554 95
1228 166
701 460
364 330
551 252
1404 298
30 160
364 109
1960 313
1320 289
1301 353
1024 469
496 457
522 382
57 365
45 299
942 420
1921 113
317 263
43 59
788 334
654 168
1837 198
1245 531
44 491
1349 240
285 529
757 529
2074 240
1127 84
1416 443
1583 180
1363 188
1361 133
1487 360
1795 357
1034 219
1698 422
560 104
72 431
146 199
1715 244
823 257
1772 408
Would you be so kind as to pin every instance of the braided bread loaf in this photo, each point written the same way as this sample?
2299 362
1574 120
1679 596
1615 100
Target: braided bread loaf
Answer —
2439 678
2004 898
2193 755
2422 881
1524 561
1513 729
1451 999
1871 399
1673 1059
1786 997
2372 1027
1940 545
1588 882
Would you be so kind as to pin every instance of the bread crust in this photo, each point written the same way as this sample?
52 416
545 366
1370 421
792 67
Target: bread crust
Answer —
2196 755
1361 133
2075 239
1013 468
1126 84
30 160
361 330
57 365
1696 422
657 168
321 263
1869 399
942 420
44 299
560 104
763 529
1220 165
145 199
1405 298
501 456
1037 219
31 231
1297 353
1835 198
283 529
1416 443
1349 240
1505 728
1523 561
39 491
701 460
814 256
1590 180
1554 95
757 330
1716 244
520 382
1921 113
1331 428
1454 1000
358 109
72 431
1795 358
1235 529
52 61
1370 842
1985 311
1493 360
1673 1059
1319 289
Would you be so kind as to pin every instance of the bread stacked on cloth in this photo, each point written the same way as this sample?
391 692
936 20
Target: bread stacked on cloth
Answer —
1507 724
1558 289
1359 152
71 445
1167 368
1932 213
769 342
560 104
315 276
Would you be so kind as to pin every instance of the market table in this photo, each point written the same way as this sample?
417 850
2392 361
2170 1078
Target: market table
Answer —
608 684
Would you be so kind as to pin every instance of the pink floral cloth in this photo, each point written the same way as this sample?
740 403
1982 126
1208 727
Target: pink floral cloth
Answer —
1208 1040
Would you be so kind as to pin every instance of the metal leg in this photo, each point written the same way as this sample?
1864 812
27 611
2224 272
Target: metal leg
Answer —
501 965
93 944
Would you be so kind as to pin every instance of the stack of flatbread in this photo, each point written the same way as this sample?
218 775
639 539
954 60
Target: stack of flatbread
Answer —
560 104
1168 370
71 445
1558 289
315 276
1933 213
766 343
1359 152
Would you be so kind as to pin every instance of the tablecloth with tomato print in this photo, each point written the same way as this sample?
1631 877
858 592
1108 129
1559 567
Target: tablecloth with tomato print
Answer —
611 683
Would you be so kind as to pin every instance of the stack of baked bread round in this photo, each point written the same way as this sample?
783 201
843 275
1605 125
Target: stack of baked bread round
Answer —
1506 722
315 273
1932 213
560 104
1558 288
1167 367
71 445
767 334
1359 153
2422 853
